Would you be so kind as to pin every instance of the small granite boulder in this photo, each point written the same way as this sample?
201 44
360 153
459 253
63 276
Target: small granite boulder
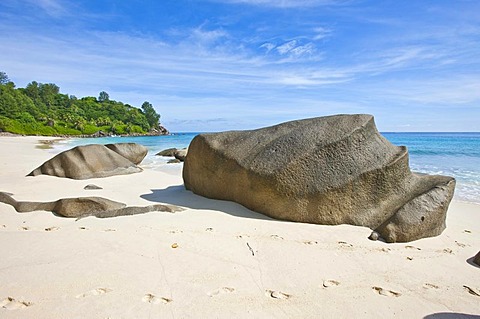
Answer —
169 152
92 187
181 154
88 161
329 170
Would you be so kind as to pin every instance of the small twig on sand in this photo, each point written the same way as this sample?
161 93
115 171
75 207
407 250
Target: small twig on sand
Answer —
251 250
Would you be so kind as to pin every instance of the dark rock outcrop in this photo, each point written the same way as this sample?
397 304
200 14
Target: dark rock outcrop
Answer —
181 154
169 152
88 161
330 170
135 153
160 130
84 206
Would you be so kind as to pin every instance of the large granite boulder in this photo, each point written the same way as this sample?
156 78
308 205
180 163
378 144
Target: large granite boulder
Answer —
328 170
134 152
88 161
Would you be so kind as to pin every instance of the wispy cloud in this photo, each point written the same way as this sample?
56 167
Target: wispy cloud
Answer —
449 91
285 3
54 8
321 33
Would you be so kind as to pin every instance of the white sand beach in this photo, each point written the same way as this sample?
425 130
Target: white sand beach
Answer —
215 259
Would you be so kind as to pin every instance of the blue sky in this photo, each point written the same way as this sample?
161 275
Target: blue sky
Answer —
209 65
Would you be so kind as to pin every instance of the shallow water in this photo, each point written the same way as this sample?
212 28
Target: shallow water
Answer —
453 154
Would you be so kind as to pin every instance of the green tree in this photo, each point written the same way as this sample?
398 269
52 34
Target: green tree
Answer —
153 118
4 78
103 97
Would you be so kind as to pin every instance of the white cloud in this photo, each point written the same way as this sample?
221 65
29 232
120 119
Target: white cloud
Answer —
287 47
306 49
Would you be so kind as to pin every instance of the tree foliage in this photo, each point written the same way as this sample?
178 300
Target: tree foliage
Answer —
4 78
41 109
152 116
103 96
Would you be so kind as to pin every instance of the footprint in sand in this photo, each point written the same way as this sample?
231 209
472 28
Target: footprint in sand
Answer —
330 283
210 229
83 228
310 242
447 251
385 292
277 294
412 247
175 231
94 292
460 244
10 303
242 236
383 249
149 298
223 290
53 228
430 286
344 244
109 230
24 228
276 237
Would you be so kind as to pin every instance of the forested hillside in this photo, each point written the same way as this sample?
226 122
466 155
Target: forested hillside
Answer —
40 109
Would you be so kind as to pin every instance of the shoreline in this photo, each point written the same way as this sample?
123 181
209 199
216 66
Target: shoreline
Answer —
214 259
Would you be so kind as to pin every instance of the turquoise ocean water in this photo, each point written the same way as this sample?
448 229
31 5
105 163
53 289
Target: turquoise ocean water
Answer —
453 154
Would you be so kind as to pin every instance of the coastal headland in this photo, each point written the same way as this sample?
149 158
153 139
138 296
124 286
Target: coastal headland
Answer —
214 258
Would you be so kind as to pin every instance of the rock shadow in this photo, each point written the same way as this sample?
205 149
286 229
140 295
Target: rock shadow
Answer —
179 196
451 315
470 261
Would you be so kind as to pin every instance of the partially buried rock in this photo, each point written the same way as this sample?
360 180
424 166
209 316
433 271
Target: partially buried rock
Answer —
66 207
135 153
374 236
169 152
328 170
88 161
92 187
84 206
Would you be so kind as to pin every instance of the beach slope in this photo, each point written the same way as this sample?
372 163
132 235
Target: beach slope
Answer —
215 259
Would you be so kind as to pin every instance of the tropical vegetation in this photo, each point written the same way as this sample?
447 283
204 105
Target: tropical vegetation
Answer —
40 109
